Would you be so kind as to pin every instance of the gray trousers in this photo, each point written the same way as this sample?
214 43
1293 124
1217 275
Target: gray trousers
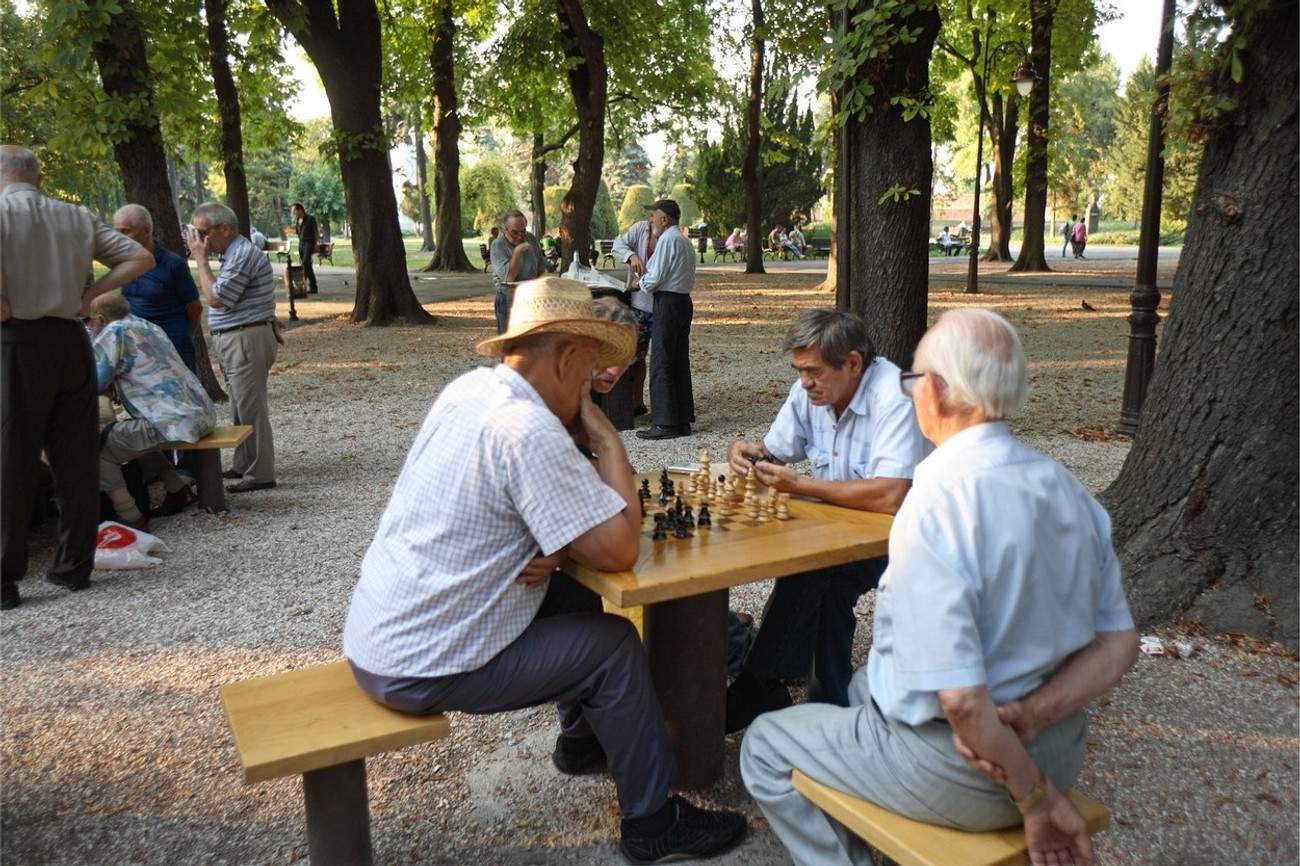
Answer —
134 439
593 667
914 771
246 357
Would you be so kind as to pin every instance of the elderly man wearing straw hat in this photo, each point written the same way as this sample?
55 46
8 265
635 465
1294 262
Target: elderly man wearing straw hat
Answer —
458 606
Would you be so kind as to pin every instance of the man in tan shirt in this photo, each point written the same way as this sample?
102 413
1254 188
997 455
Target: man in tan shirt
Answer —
48 372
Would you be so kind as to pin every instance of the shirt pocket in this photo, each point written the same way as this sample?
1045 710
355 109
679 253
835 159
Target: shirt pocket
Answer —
819 459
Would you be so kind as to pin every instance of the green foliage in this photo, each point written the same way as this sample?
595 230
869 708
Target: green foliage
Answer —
867 37
1084 124
486 194
553 196
604 219
683 195
319 186
634 203
629 166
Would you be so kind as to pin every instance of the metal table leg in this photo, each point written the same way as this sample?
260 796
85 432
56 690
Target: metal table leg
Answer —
686 643
338 814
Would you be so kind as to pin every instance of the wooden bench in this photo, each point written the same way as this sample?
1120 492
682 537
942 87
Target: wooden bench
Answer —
906 842
606 254
316 721
487 257
207 462
325 251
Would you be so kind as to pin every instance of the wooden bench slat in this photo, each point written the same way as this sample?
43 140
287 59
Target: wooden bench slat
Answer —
228 436
906 842
312 718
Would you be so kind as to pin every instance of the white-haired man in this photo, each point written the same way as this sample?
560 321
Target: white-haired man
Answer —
458 606
1000 617
47 248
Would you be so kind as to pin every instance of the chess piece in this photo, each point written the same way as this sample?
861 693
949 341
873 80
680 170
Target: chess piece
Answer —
705 520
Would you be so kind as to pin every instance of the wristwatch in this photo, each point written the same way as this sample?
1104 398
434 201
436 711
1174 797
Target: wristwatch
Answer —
1032 798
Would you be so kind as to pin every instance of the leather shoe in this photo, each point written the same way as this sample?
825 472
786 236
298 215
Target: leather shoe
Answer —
68 583
175 503
749 696
656 432
578 755
230 473
246 486
9 598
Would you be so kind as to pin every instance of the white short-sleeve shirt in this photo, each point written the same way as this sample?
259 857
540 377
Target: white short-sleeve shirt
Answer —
1000 566
492 480
876 436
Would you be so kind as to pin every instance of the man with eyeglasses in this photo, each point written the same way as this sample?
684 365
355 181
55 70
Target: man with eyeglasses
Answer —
245 334
846 417
516 257
1001 616
47 372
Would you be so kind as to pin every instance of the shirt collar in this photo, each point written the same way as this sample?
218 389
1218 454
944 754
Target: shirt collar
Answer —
11 188
861 403
957 445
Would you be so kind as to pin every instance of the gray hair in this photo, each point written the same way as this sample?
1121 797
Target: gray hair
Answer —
19 165
511 214
978 355
217 214
836 333
135 215
614 310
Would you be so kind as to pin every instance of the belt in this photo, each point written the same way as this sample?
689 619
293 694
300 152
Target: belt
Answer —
238 327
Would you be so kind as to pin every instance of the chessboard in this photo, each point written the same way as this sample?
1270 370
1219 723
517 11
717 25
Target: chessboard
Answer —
697 502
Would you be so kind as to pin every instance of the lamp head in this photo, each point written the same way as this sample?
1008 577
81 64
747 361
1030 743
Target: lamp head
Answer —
1024 78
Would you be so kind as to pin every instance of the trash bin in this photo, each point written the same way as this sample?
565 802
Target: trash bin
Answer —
294 281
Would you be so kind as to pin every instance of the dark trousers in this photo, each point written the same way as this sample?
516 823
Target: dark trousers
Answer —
305 253
672 400
808 625
593 667
47 400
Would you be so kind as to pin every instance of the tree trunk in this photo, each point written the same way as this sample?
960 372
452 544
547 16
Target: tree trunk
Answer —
589 82
232 136
883 262
537 184
1032 255
1205 508
346 52
753 132
422 190
1004 123
448 252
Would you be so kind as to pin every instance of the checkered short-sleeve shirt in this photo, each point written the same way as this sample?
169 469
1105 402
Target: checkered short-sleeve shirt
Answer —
492 480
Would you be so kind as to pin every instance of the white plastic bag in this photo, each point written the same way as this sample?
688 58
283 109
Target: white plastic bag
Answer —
120 547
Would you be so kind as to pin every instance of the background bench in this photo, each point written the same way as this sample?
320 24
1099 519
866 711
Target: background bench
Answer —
207 462
316 721
325 251
905 841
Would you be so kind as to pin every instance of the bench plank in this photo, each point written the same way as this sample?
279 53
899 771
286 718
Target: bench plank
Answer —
228 436
207 462
906 842
313 718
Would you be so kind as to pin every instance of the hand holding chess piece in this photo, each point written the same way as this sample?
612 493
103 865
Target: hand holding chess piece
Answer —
742 455
776 476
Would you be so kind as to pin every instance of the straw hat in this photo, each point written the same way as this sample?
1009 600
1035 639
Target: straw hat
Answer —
563 306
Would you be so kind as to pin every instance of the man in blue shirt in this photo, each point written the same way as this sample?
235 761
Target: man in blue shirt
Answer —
847 418
245 334
668 279
166 295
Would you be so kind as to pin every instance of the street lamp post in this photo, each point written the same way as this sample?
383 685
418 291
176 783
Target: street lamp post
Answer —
1024 80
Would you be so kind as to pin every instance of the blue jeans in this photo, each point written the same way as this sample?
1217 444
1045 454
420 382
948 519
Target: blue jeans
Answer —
501 307
808 625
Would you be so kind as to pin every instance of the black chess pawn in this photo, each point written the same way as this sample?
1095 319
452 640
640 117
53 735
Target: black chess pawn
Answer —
663 498
689 517
659 534
681 531
705 519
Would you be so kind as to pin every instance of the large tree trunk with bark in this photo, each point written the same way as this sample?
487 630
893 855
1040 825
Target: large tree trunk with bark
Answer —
345 49
119 50
537 184
753 131
232 136
1004 126
1205 508
589 82
883 247
449 252
1032 255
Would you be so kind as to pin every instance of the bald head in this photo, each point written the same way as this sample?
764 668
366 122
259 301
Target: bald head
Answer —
979 357
135 222
18 165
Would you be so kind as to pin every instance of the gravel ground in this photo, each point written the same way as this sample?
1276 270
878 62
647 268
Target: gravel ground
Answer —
115 748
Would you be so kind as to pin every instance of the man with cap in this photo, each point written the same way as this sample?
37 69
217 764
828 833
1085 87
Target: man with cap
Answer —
668 279
458 606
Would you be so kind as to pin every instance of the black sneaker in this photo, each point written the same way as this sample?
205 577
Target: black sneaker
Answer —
691 833
9 598
578 755
749 696
68 583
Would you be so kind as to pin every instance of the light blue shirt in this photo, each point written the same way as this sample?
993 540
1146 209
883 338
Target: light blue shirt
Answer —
492 480
635 240
876 436
245 285
1000 566
152 381
672 267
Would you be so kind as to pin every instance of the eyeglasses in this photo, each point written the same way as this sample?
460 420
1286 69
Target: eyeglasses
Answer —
907 381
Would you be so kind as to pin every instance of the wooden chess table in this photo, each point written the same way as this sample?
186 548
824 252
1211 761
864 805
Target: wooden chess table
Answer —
683 584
